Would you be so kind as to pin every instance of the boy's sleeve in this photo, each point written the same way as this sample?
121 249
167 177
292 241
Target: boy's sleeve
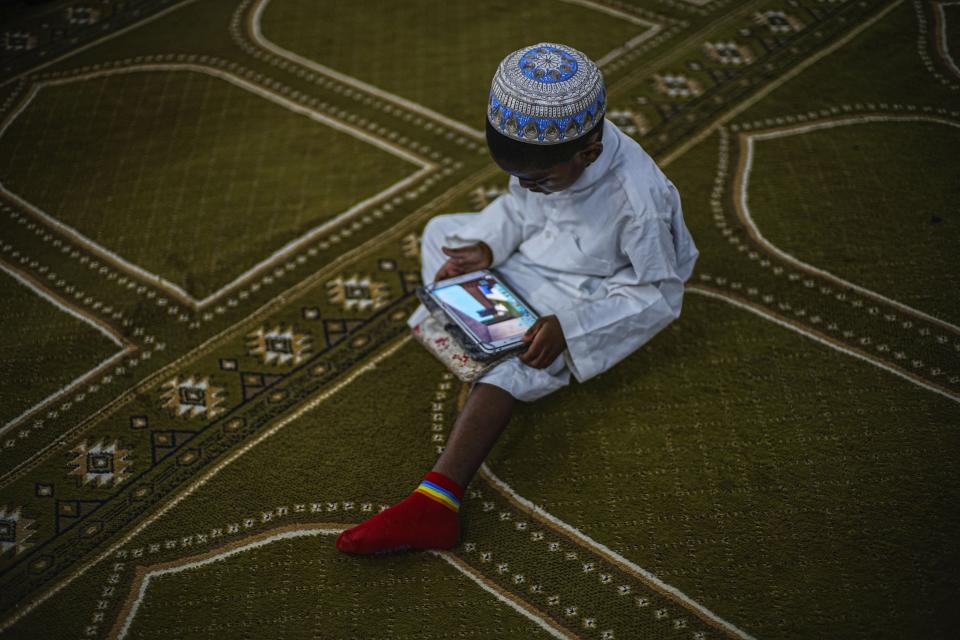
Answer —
631 306
499 225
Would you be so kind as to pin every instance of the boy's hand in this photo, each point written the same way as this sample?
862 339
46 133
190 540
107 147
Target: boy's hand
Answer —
546 342
464 260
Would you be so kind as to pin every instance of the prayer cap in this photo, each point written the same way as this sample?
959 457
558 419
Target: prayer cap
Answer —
546 93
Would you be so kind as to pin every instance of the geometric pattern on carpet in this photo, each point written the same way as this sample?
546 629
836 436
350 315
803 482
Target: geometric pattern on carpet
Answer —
224 201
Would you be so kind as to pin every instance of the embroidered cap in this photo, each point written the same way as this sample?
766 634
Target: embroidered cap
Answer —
546 94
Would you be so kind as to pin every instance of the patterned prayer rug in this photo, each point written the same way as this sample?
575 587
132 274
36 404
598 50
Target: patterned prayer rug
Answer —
209 233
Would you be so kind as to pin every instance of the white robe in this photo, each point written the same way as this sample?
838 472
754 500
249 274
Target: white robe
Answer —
608 256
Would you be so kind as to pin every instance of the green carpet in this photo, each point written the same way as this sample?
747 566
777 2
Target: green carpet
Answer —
209 225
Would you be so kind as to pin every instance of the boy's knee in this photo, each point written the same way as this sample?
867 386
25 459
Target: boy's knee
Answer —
434 231
525 384
439 227
491 391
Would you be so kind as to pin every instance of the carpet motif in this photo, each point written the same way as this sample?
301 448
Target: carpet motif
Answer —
214 386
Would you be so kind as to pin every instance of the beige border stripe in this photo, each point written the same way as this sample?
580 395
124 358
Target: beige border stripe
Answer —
575 535
143 574
277 255
282 422
138 587
572 534
299 288
520 606
823 339
126 347
295 292
110 36
741 200
940 34
254 19
767 89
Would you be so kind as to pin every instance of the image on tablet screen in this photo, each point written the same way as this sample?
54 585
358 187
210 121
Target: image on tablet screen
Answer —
487 307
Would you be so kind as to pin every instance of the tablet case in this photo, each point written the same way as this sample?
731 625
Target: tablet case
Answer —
445 340
431 333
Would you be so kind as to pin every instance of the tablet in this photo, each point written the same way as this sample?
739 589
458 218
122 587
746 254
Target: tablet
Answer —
485 308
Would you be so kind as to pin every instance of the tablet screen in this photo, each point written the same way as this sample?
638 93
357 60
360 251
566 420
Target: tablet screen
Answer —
487 307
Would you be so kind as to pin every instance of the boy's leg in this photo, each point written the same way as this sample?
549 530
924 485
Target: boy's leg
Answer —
482 420
428 518
488 410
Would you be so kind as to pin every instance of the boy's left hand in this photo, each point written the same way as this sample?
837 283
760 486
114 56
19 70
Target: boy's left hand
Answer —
546 342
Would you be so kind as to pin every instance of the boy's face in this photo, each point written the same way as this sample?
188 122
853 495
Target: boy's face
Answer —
558 177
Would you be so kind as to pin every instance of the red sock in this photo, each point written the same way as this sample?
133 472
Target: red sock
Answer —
426 519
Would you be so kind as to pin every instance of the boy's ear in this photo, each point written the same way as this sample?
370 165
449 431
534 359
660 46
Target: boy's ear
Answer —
591 152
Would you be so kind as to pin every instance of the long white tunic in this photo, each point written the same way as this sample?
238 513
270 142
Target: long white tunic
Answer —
608 256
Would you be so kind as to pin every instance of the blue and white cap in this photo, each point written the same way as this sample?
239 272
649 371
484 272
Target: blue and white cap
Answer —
546 94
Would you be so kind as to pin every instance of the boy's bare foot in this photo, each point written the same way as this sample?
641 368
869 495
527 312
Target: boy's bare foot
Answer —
426 519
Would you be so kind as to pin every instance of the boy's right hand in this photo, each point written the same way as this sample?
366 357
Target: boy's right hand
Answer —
464 260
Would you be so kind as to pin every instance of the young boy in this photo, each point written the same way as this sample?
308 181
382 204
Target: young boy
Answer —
590 233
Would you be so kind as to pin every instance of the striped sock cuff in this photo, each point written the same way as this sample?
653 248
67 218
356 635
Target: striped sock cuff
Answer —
441 489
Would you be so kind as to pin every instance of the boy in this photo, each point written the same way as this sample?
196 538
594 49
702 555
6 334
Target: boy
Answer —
590 233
